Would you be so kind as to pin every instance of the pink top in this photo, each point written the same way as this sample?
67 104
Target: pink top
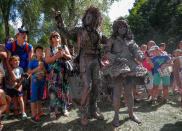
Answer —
146 64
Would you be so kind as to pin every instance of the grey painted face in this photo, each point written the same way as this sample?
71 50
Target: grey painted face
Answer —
88 19
122 30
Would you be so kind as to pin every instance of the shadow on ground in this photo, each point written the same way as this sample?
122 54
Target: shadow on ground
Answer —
172 127
94 125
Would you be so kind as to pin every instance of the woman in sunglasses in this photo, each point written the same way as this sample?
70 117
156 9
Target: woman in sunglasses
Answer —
57 83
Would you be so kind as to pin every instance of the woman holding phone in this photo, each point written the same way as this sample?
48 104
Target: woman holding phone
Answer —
57 83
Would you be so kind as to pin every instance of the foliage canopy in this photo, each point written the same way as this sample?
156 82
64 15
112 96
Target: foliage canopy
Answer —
158 20
37 17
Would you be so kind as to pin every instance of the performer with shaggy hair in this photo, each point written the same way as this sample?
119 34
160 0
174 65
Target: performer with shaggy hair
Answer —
88 39
123 70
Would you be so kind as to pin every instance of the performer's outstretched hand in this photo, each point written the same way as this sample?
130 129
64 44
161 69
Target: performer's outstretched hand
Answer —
58 17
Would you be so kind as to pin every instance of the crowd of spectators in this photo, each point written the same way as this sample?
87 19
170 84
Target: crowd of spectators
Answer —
18 59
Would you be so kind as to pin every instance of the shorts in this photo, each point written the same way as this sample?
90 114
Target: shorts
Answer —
158 78
14 93
37 90
160 86
26 84
150 84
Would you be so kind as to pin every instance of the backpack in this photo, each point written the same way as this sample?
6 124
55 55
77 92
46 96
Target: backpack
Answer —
14 46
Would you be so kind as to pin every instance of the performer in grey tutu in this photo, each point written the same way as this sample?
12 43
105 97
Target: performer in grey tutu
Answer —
88 40
123 70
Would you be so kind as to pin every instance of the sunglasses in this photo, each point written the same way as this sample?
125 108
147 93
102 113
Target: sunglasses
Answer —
55 36
70 47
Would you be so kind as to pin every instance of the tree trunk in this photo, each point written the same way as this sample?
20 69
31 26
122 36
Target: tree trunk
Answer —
6 24
5 9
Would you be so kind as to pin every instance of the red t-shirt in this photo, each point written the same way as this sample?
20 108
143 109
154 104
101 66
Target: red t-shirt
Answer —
146 64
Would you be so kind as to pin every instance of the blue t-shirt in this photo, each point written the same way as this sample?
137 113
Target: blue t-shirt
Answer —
34 64
158 61
20 51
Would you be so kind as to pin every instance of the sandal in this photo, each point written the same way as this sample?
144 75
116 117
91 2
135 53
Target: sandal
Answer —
5 117
41 115
52 115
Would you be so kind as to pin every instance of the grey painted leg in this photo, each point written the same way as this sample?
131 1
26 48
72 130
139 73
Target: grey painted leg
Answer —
130 102
116 104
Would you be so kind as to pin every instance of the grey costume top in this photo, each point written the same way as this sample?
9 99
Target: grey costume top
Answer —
123 56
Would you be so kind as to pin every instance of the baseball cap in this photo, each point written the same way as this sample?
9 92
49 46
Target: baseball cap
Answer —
154 48
162 44
177 50
21 30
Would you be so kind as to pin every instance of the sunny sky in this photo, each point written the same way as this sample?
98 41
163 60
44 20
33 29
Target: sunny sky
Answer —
120 8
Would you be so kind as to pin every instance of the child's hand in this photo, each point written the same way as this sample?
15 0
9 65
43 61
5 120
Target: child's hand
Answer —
147 59
163 66
39 68
14 79
19 88
40 76
41 64
12 83
3 55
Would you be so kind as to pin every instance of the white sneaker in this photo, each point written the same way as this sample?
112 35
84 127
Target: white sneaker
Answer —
66 113
24 116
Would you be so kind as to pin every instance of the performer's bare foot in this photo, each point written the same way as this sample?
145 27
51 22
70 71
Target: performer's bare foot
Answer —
135 119
116 121
84 121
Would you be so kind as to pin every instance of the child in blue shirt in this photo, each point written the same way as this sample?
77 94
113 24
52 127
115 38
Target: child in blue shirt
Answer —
37 68
159 63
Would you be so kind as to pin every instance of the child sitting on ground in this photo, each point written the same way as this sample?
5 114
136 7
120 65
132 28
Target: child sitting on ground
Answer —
37 68
14 89
4 102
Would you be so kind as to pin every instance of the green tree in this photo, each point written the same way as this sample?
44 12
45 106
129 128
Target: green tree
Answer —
37 17
72 12
2 32
106 26
30 14
158 20
7 12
